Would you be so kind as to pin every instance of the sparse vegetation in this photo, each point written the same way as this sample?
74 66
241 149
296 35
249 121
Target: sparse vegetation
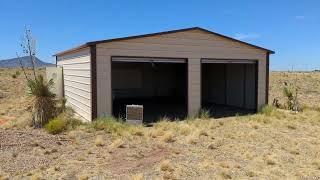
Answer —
118 143
271 144
168 137
44 104
15 75
65 121
290 91
267 110
204 114
56 126
99 141
166 165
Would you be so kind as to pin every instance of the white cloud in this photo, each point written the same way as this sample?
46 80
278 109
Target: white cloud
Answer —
300 17
243 36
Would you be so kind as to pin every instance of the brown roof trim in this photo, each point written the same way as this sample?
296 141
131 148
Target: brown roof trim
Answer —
78 48
160 33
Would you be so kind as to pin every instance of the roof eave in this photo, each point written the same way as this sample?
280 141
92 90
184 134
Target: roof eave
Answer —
88 44
233 39
72 49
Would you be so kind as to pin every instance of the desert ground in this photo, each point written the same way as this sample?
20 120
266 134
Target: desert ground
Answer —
272 144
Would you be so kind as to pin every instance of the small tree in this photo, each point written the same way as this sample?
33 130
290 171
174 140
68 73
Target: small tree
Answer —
44 104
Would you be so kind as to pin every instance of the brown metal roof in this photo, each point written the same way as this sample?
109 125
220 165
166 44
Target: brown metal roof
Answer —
154 34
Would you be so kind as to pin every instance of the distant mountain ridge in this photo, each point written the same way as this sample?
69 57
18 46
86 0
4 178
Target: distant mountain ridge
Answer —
14 62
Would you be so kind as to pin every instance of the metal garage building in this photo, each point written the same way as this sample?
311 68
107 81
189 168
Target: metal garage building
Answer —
172 73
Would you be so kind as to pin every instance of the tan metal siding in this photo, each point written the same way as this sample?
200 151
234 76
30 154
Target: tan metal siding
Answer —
104 91
261 82
193 44
77 81
250 86
194 86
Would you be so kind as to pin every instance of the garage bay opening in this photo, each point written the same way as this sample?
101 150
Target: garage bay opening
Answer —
159 84
229 87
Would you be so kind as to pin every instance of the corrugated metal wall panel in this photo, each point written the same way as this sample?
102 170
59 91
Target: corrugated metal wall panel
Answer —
193 45
77 81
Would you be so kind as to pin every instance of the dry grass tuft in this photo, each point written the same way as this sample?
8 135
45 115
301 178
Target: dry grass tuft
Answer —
169 176
250 173
83 177
99 141
292 126
168 137
166 165
185 129
193 138
139 176
316 164
225 165
137 131
203 132
226 174
118 143
156 132
271 161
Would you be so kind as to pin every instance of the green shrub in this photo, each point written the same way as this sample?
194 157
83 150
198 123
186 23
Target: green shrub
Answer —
56 126
267 110
63 122
68 116
204 114
111 125
16 74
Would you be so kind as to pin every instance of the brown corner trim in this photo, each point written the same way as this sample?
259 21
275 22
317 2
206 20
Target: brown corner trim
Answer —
267 78
256 85
93 63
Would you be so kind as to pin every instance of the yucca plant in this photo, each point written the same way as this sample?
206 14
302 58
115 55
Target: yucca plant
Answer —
290 91
44 104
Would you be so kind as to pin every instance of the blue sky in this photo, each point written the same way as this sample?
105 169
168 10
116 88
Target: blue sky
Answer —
289 27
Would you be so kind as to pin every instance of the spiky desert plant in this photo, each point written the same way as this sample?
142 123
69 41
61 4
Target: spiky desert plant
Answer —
43 100
290 91
44 103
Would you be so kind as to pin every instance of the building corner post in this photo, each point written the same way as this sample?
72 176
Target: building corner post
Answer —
267 77
93 66
194 86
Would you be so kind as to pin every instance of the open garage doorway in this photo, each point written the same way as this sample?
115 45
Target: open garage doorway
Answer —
229 87
159 84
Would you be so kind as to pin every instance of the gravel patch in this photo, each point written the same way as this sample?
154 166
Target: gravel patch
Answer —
24 150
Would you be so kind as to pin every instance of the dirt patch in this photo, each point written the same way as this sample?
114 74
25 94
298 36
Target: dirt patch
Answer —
25 150
2 121
123 164
5 119
14 100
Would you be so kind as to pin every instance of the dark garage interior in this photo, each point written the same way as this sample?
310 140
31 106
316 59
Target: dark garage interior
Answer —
229 89
160 87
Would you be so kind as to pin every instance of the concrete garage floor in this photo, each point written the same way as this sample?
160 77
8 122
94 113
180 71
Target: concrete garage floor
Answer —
220 111
154 109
